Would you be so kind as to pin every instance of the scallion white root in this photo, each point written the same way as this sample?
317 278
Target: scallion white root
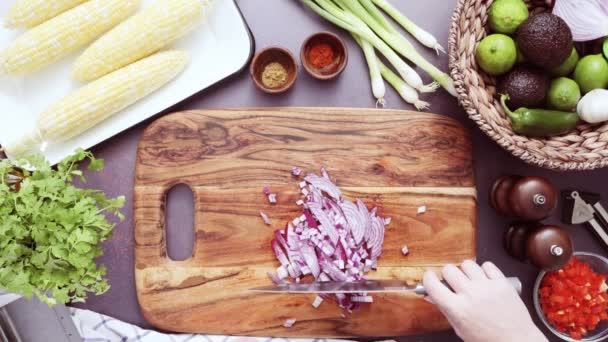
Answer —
378 87
400 44
420 34
407 93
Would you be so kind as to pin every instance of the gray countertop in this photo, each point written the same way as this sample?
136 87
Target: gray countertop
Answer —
287 23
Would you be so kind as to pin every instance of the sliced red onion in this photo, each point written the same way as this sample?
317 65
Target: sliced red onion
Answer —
279 253
289 323
265 218
310 257
325 185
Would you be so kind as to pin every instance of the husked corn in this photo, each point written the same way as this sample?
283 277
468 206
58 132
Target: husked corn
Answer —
98 100
58 37
29 13
141 35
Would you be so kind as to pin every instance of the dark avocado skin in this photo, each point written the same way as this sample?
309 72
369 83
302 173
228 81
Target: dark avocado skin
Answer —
526 86
545 40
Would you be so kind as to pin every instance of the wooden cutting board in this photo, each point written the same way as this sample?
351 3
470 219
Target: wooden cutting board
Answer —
396 160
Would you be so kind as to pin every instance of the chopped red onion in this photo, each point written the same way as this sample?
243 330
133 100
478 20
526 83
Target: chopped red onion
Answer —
405 251
317 302
266 190
289 323
265 218
272 198
296 171
333 239
421 209
342 315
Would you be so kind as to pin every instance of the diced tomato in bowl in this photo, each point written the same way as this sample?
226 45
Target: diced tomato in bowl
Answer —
572 302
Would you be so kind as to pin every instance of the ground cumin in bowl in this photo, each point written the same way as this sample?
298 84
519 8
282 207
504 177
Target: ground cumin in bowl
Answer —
274 70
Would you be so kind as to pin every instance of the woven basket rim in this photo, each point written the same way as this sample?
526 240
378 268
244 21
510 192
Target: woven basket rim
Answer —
474 114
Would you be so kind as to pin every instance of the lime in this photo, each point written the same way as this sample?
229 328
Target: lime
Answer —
496 54
591 73
606 48
563 94
568 66
505 16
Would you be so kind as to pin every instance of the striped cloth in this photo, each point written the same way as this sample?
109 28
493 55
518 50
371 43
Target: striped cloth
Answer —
95 327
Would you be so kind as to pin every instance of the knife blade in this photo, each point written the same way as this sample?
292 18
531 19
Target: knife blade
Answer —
368 286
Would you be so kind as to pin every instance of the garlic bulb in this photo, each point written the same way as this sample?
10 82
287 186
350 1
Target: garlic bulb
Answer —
593 107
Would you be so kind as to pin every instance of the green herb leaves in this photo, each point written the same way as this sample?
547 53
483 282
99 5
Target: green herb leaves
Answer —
51 230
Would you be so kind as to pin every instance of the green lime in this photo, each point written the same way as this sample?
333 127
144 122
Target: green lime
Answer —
496 54
568 66
505 16
591 73
563 94
606 48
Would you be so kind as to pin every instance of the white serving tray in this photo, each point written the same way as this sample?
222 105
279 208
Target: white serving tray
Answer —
220 47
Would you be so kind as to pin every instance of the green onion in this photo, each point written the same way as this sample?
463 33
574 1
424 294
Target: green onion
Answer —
407 93
352 23
421 35
378 88
401 45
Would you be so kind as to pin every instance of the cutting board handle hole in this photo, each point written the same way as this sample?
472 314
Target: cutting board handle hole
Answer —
179 222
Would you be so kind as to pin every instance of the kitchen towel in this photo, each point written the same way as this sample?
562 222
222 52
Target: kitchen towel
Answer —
95 327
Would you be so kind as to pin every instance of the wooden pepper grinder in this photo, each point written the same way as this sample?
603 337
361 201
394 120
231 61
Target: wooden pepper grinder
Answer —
527 198
547 247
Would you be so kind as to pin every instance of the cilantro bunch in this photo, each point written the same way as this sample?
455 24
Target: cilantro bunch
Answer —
50 230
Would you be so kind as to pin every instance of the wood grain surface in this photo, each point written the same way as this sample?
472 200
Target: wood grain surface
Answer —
396 160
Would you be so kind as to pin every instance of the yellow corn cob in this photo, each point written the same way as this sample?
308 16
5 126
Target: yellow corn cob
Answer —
97 101
56 38
30 13
141 35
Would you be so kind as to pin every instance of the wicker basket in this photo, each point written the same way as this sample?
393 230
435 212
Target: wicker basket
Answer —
583 149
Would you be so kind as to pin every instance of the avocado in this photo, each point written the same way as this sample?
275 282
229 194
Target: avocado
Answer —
526 86
545 40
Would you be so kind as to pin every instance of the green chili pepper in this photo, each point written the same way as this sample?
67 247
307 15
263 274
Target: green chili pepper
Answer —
539 122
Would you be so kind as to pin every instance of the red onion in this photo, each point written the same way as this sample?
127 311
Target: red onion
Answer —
334 239
265 218
289 323
587 19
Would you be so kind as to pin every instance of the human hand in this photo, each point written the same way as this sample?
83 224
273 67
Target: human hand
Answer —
483 305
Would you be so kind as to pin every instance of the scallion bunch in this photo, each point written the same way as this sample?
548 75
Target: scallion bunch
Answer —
374 32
